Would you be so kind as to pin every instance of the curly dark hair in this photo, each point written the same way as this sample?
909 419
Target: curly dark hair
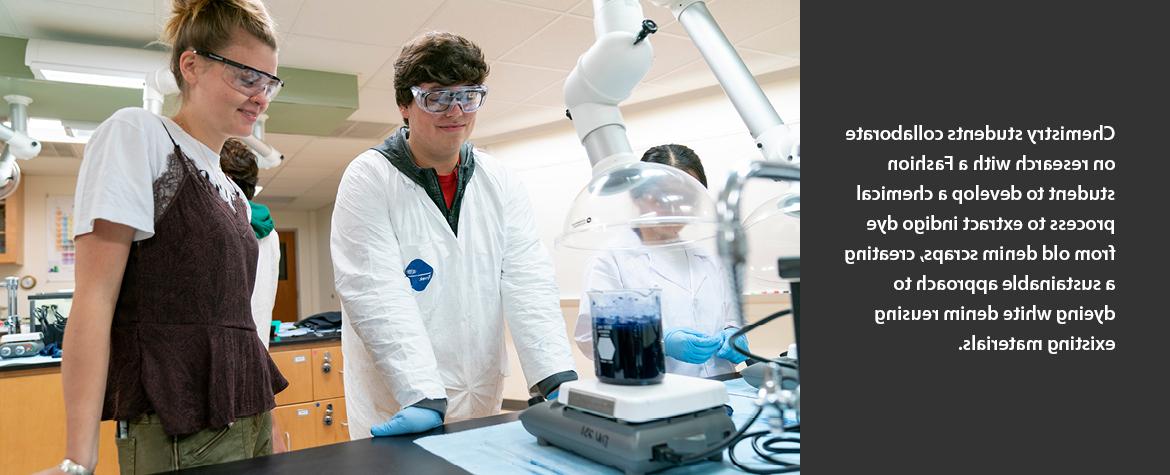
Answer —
239 163
440 57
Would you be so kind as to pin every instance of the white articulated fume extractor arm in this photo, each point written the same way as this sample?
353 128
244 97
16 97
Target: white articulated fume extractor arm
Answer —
17 144
620 57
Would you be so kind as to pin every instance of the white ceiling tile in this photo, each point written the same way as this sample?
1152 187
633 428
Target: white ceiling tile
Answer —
308 204
520 117
305 174
698 74
324 189
671 53
335 56
741 19
274 189
515 82
551 96
137 6
783 40
384 77
7 27
284 13
331 152
647 91
491 110
297 183
468 18
288 144
660 15
376 105
558 46
51 166
384 22
558 5
54 20
584 9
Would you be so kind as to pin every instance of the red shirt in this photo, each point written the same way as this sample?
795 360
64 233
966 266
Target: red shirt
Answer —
448 183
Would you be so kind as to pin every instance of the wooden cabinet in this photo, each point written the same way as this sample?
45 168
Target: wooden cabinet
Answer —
297 368
12 231
311 411
33 419
327 373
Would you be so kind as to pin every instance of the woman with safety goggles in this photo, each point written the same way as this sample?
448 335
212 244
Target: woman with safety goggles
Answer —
161 335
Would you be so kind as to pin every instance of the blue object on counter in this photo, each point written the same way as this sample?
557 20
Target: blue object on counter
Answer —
627 336
52 350
275 328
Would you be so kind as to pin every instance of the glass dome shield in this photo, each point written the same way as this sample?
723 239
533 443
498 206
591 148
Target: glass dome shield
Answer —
638 205
777 222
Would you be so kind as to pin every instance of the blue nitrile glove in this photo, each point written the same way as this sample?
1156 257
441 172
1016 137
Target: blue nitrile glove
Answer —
691 346
409 420
553 395
728 352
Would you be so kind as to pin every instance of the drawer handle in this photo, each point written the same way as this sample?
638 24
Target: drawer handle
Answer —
328 364
287 442
329 414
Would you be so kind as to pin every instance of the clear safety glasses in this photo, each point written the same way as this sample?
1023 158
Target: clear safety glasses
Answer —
437 101
246 79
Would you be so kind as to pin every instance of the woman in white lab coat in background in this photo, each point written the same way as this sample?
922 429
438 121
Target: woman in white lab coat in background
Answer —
239 163
697 304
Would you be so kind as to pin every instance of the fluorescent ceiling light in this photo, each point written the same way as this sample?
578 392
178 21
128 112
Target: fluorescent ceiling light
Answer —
91 64
52 130
96 79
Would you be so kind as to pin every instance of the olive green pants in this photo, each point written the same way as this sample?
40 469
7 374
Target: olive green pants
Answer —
146 448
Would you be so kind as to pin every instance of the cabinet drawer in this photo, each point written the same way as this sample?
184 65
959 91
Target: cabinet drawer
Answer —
298 425
332 423
297 368
327 373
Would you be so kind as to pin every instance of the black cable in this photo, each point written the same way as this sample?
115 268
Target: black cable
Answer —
731 442
783 466
743 331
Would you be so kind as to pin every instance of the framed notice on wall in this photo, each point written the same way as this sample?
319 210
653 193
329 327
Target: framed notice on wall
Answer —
59 245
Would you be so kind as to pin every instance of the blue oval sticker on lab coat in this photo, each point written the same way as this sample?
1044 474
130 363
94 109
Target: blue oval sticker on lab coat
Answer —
419 273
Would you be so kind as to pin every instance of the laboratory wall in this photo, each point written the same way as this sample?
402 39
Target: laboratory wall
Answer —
37 190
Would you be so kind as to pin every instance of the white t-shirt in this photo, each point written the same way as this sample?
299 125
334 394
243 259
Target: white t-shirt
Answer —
124 158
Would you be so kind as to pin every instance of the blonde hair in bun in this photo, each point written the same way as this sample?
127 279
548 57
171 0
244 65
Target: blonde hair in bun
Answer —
208 25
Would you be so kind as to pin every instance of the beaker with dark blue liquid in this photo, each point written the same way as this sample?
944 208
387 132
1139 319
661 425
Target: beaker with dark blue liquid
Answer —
627 336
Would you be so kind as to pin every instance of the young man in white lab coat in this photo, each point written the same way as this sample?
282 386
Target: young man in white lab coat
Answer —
434 246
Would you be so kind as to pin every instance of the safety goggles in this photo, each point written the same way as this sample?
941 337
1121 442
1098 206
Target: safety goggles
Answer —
437 101
246 79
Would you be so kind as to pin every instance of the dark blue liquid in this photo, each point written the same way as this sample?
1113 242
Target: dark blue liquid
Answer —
637 357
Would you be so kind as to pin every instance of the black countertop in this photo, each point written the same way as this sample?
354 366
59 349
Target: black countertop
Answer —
375 455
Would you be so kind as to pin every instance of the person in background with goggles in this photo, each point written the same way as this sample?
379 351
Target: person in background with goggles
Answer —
434 245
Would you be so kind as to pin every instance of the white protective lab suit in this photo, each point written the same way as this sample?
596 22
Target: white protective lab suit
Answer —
695 295
264 294
447 340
